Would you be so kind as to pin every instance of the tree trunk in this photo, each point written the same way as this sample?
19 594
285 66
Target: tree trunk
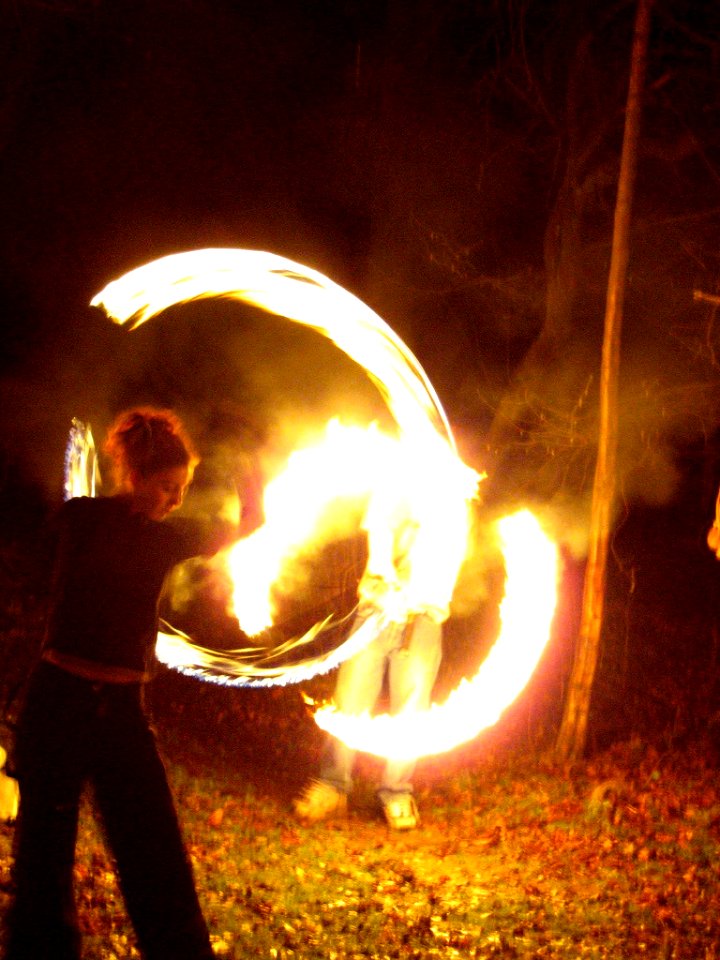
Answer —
573 729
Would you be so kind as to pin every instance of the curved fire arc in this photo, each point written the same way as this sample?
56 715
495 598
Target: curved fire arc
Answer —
425 443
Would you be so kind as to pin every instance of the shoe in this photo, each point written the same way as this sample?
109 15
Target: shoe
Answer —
319 801
400 811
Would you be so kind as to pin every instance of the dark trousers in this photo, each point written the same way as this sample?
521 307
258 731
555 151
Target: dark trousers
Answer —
73 731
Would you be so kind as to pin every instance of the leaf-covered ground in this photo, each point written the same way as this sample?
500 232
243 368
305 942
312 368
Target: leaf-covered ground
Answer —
614 858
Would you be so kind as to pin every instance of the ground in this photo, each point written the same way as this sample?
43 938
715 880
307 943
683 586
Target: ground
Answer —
615 857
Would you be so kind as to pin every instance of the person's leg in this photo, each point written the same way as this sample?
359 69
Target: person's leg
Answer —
51 745
138 813
357 689
43 922
414 664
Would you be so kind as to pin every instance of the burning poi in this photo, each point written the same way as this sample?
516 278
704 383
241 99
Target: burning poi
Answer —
413 478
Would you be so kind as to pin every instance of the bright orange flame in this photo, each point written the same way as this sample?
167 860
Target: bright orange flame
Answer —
414 490
417 483
526 614
290 290
298 507
395 488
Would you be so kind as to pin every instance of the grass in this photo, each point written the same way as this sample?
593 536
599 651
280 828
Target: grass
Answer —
613 858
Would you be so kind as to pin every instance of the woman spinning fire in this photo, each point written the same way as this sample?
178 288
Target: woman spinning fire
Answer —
84 719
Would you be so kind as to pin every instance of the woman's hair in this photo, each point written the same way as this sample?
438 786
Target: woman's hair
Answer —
145 441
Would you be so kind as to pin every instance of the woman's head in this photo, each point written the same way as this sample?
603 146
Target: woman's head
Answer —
153 459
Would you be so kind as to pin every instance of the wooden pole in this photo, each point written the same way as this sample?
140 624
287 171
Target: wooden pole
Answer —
572 735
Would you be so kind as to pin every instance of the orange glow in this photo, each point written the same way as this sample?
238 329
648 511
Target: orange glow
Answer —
414 482
395 488
526 614
410 491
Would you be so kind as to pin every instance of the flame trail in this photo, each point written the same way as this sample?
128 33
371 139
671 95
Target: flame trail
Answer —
415 493
526 614
290 290
298 293
342 466
80 461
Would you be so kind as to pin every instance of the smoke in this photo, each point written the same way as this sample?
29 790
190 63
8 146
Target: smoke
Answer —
542 446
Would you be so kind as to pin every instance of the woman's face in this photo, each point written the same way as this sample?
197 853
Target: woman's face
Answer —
159 494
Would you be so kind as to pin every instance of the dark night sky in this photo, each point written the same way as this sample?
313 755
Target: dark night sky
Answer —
371 140
137 130
419 154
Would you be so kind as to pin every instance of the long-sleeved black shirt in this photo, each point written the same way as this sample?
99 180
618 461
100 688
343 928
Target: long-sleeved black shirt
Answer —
109 572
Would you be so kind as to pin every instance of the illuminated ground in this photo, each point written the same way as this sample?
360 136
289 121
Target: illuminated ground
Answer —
616 858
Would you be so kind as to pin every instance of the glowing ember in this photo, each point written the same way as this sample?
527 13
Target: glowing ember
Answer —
394 486
526 614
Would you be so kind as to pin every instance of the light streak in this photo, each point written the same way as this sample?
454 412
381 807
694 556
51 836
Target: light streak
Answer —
290 290
526 615
424 459
411 481
80 461
394 483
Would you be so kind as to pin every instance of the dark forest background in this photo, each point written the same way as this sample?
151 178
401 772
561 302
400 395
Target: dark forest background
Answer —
453 164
